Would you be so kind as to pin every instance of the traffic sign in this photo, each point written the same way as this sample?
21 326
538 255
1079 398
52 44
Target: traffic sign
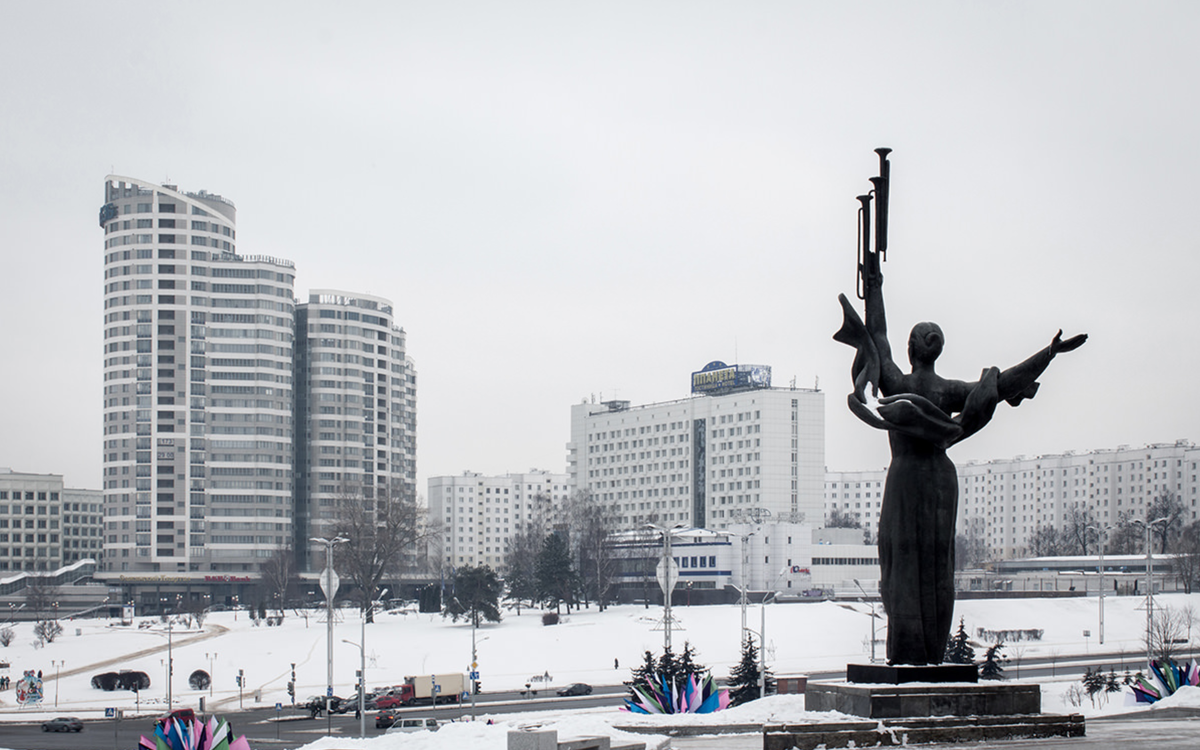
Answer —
110 713
474 675
330 582
667 573
278 706
329 692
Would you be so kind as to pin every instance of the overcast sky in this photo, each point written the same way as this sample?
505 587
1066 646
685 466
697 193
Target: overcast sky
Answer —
578 200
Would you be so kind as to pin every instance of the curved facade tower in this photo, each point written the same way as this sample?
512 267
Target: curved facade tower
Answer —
198 393
355 409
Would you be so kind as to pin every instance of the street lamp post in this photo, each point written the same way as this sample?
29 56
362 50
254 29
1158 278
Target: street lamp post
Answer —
1149 526
1100 571
211 675
362 672
329 584
756 516
57 666
867 600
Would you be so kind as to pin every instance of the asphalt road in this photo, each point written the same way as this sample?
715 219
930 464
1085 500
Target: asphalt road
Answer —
295 727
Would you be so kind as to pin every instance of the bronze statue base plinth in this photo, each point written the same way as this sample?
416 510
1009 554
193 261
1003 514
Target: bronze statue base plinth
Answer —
882 701
899 674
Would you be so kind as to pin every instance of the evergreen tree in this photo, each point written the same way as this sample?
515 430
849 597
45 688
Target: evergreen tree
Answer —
642 672
959 649
555 575
688 664
476 595
668 666
991 669
743 680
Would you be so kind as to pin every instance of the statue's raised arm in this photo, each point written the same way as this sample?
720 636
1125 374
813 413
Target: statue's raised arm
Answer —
1019 382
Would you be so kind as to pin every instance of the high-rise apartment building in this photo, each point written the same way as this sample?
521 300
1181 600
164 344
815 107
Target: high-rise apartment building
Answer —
198 399
355 408
480 514
737 449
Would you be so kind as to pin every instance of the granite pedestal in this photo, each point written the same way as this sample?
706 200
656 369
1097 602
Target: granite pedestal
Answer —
885 701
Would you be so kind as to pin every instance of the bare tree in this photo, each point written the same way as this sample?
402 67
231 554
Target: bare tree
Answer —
1076 537
1187 557
1167 632
278 574
380 529
1045 541
40 596
591 525
1167 505
1126 538
971 548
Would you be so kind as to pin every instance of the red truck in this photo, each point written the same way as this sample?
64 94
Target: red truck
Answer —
421 689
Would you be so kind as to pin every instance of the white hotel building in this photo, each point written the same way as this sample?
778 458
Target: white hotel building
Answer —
706 461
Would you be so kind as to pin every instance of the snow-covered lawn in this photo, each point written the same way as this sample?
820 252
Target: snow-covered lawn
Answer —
588 646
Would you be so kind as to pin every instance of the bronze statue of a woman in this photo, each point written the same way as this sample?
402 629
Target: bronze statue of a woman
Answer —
924 414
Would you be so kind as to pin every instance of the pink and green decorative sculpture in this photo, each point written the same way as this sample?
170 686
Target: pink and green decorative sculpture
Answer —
176 734
1165 678
659 696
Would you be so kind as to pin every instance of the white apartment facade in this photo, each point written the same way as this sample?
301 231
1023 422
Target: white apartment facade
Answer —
355 409
43 525
707 461
479 514
1006 500
198 433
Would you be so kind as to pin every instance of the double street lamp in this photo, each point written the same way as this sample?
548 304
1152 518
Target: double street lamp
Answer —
329 584
1100 569
1149 526
668 574
362 672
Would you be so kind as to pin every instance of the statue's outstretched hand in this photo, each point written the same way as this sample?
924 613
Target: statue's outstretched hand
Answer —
1070 345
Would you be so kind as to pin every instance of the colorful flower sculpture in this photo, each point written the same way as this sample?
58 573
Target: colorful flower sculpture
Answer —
659 696
1165 678
176 734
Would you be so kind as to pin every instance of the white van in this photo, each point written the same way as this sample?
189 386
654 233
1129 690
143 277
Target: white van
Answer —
414 725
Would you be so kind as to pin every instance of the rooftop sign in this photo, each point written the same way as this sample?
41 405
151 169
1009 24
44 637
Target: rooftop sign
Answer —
718 377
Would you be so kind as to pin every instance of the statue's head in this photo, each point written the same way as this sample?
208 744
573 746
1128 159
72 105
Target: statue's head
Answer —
925 343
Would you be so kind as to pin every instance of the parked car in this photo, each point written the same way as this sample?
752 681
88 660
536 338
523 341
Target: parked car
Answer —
63 724
577 688
386 718
414 725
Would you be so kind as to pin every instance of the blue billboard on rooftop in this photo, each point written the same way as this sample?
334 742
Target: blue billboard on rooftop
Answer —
718 377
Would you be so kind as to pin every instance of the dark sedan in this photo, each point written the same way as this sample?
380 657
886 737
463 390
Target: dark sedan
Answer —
386 718
63 724
577 688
